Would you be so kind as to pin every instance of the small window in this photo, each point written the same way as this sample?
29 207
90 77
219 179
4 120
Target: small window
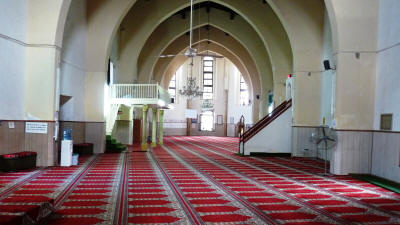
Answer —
208 69
208 82
207 95
172 88
208 75
244 93
208 63
386 121
207 89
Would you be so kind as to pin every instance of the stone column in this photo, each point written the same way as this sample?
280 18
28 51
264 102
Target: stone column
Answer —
154 128
144 124
160 126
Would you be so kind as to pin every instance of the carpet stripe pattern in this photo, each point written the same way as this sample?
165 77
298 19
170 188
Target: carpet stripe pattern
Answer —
93 199
345 197
35 195
193 180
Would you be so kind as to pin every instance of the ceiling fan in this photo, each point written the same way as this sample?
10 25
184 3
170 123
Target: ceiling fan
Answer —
191 51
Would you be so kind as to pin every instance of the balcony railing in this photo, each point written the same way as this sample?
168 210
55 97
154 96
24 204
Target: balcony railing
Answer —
139 94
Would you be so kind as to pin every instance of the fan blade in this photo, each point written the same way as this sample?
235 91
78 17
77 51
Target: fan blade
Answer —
168 56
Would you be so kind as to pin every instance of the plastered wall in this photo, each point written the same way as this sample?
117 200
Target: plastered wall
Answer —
13 59
386 150
387 93
73 63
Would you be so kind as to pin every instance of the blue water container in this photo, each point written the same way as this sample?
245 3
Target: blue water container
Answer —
67 134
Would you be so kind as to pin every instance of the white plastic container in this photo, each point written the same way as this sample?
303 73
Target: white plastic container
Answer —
75 158
66 152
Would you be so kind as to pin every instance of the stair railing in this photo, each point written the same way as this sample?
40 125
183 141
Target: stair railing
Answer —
248 134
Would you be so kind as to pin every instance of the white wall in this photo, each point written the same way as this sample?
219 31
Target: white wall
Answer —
275 138
236 110
177 115
387 93
328 77
386 150
13 59
386 155
73 63
114 57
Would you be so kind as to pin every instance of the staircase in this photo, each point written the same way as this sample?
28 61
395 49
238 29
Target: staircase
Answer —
268 134
112 146
111 118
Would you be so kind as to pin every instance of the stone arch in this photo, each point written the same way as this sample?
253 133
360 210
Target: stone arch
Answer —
147 59
259 16
61 22
165 74
236 48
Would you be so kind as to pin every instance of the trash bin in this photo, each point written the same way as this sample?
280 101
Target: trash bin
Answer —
75 157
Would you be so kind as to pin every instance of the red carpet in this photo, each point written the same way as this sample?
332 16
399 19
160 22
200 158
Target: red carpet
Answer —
294 182
194 180
92 196
38 188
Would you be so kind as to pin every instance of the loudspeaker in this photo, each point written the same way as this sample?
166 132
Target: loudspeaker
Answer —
327 65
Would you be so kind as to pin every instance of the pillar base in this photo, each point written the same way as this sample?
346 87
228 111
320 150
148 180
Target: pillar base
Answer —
145 147
160 143
153 144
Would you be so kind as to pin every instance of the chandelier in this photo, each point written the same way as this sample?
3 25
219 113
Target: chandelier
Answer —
191 89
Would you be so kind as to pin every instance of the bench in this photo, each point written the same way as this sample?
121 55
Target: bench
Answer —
18 161
83 148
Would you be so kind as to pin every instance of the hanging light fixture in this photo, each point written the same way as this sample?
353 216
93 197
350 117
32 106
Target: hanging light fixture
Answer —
191 89
207 105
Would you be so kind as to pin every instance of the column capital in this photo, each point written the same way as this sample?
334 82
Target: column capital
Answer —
145 108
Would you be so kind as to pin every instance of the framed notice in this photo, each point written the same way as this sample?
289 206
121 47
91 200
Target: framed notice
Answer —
36 128
219 119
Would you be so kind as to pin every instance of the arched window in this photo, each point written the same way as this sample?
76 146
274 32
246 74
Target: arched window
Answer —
208 75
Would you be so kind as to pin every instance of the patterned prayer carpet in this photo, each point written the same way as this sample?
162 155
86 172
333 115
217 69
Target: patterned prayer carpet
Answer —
28 195
194 180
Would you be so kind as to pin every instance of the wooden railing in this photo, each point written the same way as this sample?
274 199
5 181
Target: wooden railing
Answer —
265 121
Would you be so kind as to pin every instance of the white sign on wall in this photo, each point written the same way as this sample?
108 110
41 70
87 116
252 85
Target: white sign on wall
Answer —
191 113
11 125
175 125
36 128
